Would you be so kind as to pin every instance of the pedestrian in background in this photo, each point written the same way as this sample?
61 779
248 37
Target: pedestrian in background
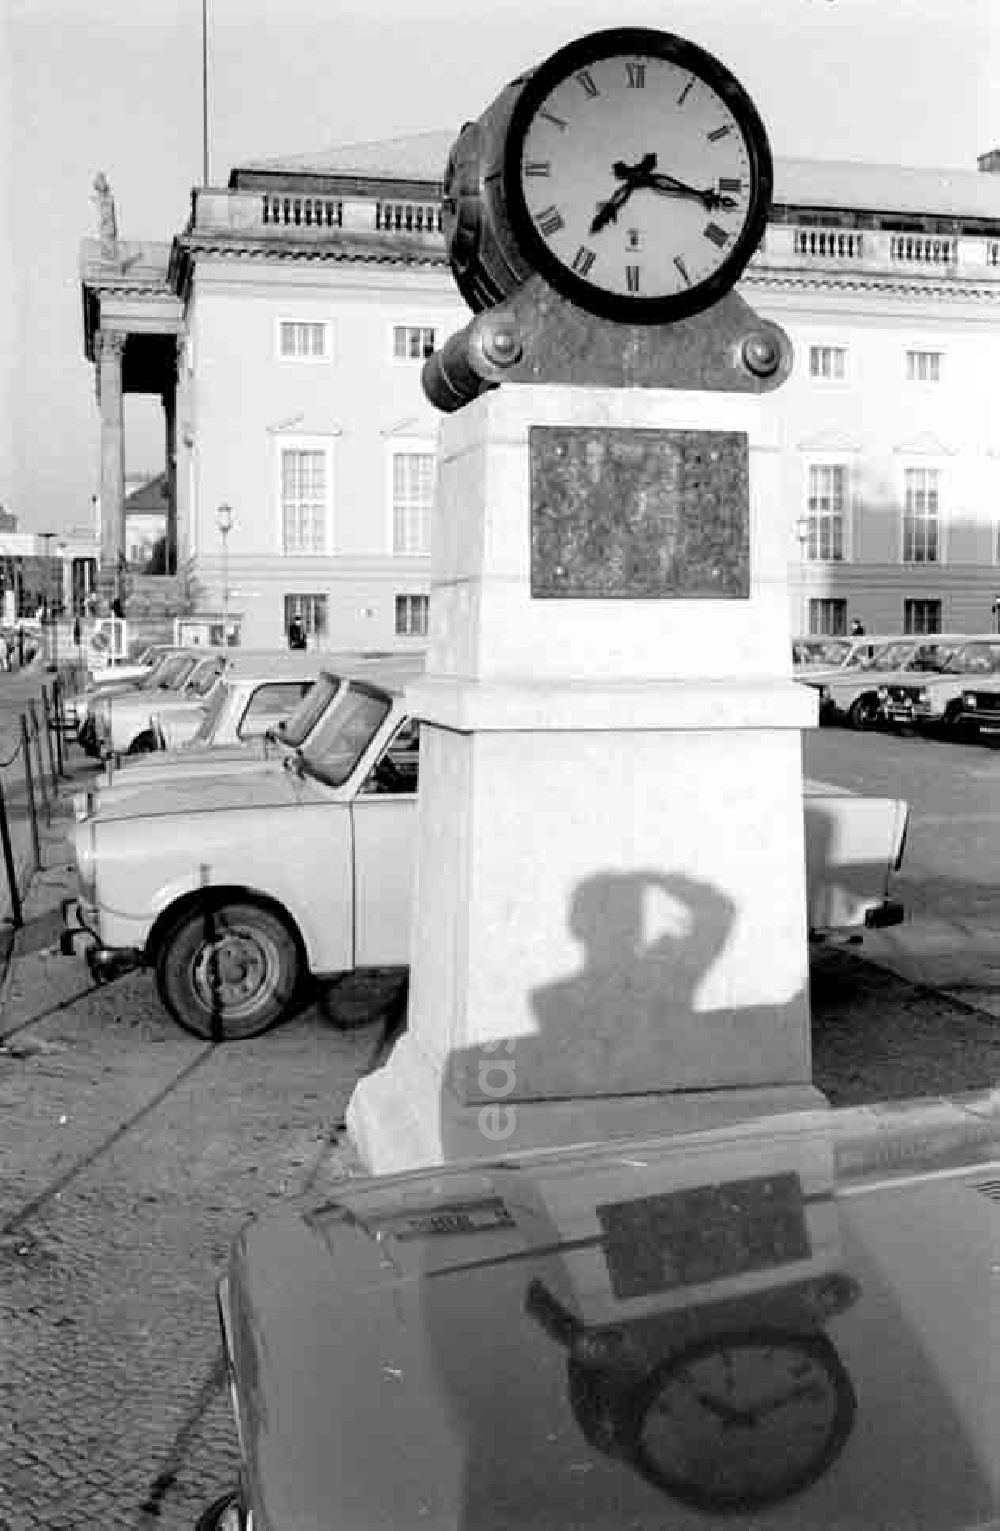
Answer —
296 634
857 628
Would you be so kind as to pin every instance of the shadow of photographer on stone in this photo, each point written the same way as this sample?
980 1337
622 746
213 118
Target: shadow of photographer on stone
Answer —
633 1023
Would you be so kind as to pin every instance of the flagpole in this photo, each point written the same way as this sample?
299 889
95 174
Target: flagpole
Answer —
204 90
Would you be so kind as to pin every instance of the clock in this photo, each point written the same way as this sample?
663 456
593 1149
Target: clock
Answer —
736 1422
636 175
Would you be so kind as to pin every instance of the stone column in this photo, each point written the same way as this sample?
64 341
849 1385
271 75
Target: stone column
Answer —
169 397
110 349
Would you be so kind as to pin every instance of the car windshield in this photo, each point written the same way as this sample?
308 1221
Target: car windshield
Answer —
175 672
160 667
336 745
303 719
892 657
831 653
973 659
204 676
211 713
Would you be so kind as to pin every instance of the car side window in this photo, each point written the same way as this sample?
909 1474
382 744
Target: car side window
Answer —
395 773
269 704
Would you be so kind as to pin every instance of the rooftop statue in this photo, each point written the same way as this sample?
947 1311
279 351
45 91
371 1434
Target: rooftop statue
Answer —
107 222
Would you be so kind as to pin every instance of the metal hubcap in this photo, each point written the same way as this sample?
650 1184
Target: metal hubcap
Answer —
234 973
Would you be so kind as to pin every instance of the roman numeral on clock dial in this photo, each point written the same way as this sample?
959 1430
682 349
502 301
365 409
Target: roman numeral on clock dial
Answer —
586 80
583 260
550 220
632 278
538 167
685 274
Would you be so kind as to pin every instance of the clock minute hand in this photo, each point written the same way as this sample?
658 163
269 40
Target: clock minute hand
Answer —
670 186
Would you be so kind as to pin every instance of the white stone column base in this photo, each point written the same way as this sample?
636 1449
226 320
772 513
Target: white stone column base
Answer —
402 1117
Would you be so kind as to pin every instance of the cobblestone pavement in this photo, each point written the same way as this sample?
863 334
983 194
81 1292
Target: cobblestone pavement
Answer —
134 1153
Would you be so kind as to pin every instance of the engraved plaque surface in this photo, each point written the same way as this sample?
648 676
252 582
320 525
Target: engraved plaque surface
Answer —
639 514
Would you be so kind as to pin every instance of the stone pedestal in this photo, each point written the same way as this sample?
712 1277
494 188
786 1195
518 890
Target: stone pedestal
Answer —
609 933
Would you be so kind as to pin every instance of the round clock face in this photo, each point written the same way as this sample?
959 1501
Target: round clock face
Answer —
746 1421
637 175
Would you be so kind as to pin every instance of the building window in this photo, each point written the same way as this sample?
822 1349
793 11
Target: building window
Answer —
411 616
300 339
311 611
828 362
827 512
303 500
923 366
412 501
412 342
921 523
828 617
921 616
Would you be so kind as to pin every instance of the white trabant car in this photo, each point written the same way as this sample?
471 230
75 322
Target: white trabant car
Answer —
167 673
114 679
933 703
236 887
261 712
139 723
852 694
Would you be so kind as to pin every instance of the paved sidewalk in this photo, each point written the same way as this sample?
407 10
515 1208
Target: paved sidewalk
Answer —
133 1154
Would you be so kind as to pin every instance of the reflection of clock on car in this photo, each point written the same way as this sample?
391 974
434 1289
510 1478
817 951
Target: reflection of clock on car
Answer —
630 169
744 1420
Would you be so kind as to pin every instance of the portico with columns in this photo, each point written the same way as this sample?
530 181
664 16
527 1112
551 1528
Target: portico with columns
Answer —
132 325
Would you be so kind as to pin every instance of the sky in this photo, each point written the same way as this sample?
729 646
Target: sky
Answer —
116 85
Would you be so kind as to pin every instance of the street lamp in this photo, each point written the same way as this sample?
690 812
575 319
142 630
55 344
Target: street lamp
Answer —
61 555
224 521
803 529
47 537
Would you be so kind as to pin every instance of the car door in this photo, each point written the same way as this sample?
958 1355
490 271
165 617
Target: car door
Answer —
385 826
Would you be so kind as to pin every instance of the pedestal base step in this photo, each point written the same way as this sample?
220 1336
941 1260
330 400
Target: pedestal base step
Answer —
402 1117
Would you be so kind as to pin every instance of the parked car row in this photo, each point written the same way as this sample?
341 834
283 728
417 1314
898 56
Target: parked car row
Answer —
245 862
947 684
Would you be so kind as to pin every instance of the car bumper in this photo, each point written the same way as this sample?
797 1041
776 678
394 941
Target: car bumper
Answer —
880 916
80 923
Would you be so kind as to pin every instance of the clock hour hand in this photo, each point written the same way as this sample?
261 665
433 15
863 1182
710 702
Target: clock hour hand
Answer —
633 176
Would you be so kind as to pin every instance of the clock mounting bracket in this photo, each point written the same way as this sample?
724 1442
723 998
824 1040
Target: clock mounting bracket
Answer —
538 336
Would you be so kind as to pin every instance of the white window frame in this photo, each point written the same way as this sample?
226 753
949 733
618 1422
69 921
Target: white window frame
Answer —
834 347
924 465
309 360
430 326
830 461
916 350
410 447
290 443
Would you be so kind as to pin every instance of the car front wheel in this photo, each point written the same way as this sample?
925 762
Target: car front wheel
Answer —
863 712
228 970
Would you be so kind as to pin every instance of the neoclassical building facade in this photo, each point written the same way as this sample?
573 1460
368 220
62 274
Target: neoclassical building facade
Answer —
285 329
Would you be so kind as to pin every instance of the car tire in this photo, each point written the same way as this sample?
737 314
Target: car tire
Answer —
863 712
228 970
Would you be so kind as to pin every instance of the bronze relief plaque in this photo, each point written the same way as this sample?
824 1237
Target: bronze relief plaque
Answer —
639 514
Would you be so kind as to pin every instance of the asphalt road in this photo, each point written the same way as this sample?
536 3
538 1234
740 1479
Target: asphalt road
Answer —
133 1153
950 878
